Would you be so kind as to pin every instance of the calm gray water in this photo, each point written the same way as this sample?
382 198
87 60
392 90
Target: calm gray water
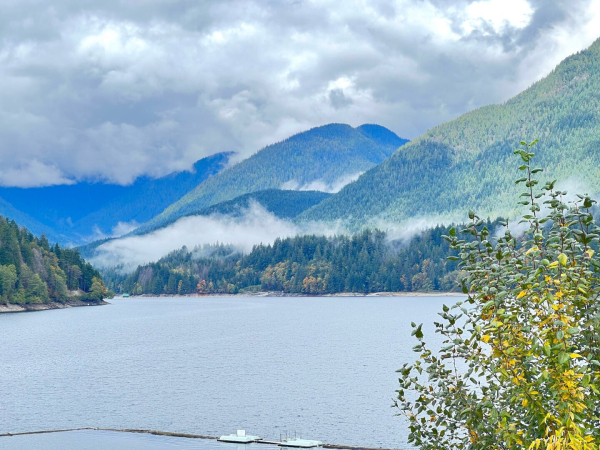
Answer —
103 440
323 367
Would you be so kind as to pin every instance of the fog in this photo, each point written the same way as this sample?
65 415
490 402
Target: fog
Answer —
321 185
254 226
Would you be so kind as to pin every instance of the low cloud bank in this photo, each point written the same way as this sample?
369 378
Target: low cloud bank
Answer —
323 186
256 225
120 229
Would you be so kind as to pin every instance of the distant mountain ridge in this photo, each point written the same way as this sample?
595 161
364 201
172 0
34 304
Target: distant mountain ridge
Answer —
148 197
72 213
24 220
468 163
323 155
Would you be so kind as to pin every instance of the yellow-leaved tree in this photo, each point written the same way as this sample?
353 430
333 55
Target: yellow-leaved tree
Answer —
520 363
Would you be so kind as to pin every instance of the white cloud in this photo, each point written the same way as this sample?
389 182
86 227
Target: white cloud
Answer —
123 228
30 174
111 90
321 185
120 229
497 14
255 226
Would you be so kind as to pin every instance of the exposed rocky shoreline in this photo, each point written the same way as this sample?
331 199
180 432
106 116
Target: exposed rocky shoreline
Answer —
13 308
284 294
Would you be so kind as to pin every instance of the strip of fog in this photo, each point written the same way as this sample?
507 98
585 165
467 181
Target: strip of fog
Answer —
254 225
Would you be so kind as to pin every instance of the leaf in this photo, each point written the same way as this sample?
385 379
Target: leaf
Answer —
562 259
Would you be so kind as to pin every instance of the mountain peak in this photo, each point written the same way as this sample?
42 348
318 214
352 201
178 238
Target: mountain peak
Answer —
381 134
323 158
468 163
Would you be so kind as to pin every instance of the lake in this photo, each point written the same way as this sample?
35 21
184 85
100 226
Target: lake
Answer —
320 367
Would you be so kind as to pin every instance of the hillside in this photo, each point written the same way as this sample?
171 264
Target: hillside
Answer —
284 204
33 272
281 203
318 159
72 213
468 163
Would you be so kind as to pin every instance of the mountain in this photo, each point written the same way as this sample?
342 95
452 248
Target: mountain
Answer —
468 163
323 158
36 227
148 197
281 203
56 206
76 212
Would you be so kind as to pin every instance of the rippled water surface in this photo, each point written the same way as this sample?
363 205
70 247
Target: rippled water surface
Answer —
322 367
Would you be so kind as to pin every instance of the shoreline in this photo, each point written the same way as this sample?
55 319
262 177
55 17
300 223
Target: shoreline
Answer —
15 308
284 294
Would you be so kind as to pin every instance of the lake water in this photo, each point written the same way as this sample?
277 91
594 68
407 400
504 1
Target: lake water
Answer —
103 440
320 367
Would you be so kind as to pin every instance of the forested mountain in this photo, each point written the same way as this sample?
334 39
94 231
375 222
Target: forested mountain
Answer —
315 159
31 271
284 204
468 163
72 213
363 263
148 197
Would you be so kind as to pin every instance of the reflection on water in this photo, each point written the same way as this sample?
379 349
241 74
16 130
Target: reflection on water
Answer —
323 367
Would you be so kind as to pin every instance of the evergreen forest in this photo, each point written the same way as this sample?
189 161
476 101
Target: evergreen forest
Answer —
366 262
466 164
321 155
32 271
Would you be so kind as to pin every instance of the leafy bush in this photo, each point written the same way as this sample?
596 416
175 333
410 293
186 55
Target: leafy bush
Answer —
520 363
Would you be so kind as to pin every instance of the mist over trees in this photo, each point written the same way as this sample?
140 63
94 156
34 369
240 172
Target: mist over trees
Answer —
363 263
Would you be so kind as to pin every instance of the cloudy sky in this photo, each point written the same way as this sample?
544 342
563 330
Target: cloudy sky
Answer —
109 90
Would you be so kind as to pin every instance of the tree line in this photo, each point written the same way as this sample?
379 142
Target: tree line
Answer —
33 271
367 262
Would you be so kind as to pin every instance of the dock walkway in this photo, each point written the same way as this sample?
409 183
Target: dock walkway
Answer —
182 435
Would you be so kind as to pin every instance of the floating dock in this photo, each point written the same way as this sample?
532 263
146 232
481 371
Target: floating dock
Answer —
239 438
300 443
283 443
